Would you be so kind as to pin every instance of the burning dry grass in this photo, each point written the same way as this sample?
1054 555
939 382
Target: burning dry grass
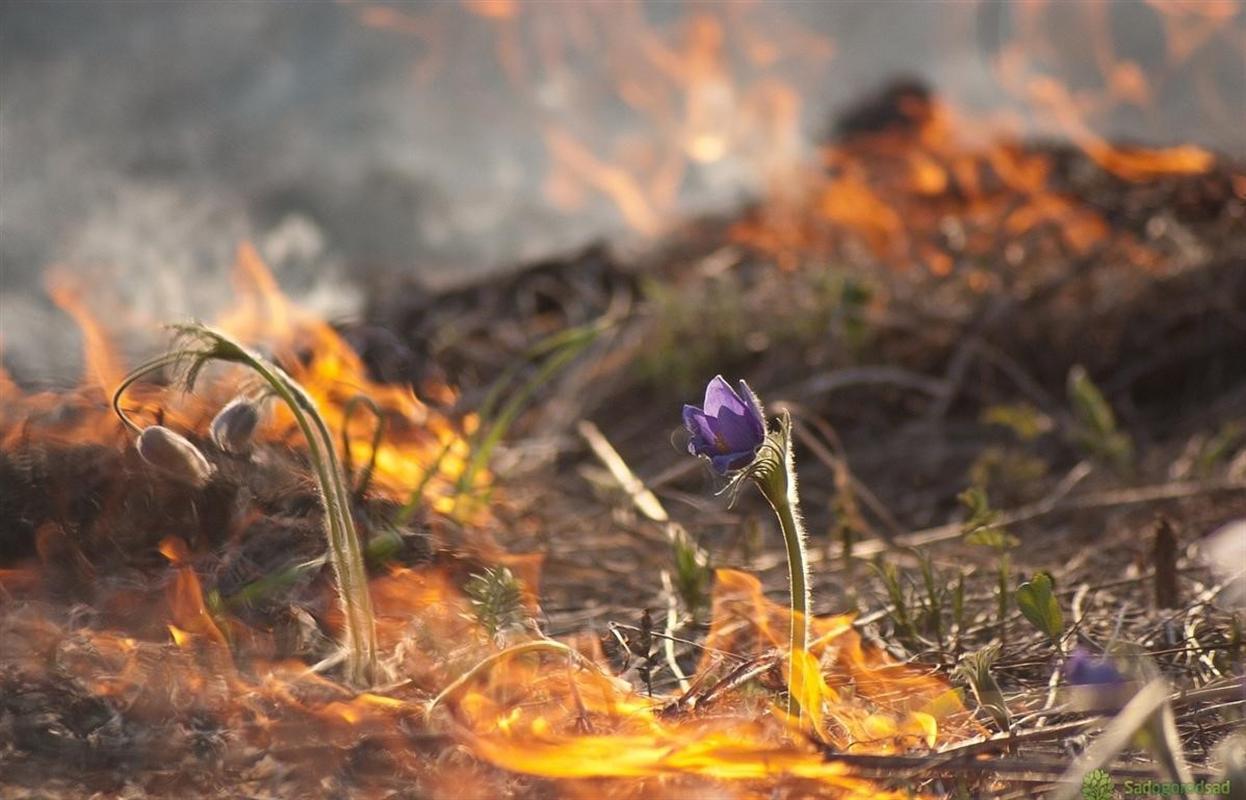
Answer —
169 640
130 661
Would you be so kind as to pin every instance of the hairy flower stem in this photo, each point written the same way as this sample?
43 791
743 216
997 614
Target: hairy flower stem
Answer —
778 485
345 552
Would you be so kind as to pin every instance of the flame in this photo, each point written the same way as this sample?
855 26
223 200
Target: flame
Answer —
530 721
921 190
686 106
103 364
190 614
533 715
714 95
416 439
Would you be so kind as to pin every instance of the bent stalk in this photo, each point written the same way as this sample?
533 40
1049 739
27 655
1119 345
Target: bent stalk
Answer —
345 552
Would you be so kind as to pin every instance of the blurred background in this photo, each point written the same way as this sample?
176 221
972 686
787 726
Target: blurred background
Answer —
141 142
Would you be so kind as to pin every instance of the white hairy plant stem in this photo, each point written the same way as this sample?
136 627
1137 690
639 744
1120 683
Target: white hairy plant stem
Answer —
777 482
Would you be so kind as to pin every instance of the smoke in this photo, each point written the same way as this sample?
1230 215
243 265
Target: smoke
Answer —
140 142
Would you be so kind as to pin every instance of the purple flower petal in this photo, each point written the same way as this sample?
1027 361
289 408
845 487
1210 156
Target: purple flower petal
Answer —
735 432
719 395
702 442
753 406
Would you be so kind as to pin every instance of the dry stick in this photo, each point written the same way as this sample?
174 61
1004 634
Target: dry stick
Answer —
378 433
906 768
541 645
688 642
1004 741
644 500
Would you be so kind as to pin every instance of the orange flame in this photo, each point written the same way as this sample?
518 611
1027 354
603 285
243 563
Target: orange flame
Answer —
416 439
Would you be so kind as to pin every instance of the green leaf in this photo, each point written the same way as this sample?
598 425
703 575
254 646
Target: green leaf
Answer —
982 528
693 576
1096 428
975 669
1037 601
1023 419
995 537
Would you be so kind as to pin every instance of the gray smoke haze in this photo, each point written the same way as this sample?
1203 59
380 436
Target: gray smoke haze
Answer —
144 140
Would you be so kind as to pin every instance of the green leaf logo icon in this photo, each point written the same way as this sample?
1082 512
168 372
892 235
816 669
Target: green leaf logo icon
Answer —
1097 785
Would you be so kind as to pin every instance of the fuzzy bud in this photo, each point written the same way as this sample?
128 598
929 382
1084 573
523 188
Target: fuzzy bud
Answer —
174 455
233 428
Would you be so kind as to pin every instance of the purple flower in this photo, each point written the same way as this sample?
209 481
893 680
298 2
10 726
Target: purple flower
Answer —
1083 669
729 427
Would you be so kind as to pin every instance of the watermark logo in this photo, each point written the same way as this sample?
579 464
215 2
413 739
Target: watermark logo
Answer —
1097 785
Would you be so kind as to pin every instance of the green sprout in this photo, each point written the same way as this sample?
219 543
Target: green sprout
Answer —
983 528
1096 430
496 598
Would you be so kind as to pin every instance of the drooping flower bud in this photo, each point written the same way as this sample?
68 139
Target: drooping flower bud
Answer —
174 455
233 428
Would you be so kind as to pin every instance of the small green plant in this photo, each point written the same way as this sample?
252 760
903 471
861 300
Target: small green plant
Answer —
1008 471
1023 419
847 523
197 346
934 599
724 319
929 608
976 670
1095 430
500 409
854 299
983 528
691 330
898 599
360 485
1219 448
496 599
1037 602
693 575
